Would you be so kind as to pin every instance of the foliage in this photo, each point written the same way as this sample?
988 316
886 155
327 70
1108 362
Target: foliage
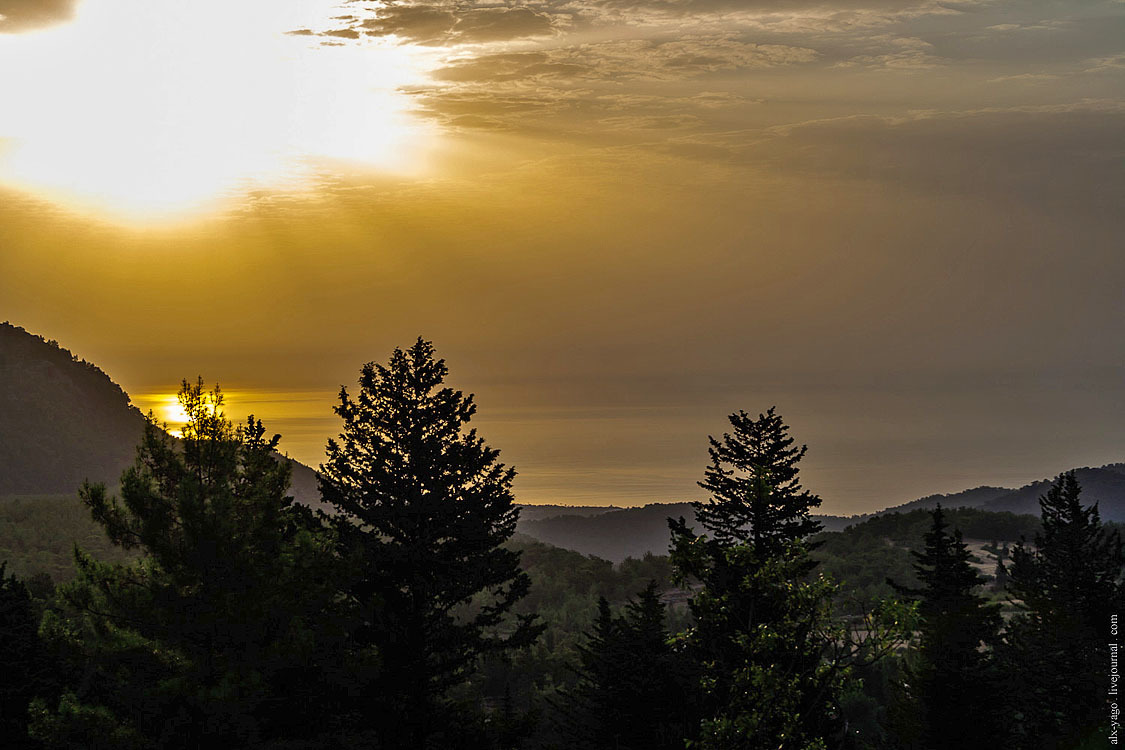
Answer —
774 657
216 634
1067 587
908 528
25 664
38 534
762 634
952 680
423 511
756 494
62 420
634 689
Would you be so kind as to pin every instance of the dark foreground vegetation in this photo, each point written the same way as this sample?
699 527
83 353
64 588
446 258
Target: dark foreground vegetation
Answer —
203 608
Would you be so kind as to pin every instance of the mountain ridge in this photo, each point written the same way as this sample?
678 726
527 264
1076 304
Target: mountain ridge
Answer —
64 421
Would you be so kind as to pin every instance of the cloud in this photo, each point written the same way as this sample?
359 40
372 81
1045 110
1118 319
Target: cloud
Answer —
897 53
632 59
421 24
23 15
775 16
643 86
1106 64
1062 156
447 23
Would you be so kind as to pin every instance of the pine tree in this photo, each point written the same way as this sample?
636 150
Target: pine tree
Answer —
768 645
764 634
422 509
756 494
23 660
953 683
1067 586
218 635
634 690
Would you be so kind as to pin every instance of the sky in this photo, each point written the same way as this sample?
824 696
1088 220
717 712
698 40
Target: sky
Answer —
898 221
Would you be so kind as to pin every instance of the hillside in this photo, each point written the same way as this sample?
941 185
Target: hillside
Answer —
633 532
1104 485
629 532
973 498
64 421
538 512
622 533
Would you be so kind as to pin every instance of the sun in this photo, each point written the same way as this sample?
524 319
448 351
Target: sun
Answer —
165 408
144 110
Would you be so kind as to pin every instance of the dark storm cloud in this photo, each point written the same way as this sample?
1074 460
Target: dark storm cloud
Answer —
22 15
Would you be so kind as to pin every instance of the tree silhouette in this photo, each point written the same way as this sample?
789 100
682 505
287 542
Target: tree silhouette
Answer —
218 635
1066 586
634 690
952 681
23 658
764 633
756 494
422 509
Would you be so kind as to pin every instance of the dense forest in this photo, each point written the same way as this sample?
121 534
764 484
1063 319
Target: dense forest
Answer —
194 604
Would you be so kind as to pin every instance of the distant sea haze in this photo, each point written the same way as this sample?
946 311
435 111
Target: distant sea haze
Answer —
634 455
592 441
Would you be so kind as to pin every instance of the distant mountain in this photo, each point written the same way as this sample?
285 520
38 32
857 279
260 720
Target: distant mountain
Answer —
631 532
64 421
974 498
1104 486
537 512
626 532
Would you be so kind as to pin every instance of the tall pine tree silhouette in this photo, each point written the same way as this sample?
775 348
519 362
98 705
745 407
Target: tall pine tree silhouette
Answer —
219 634
763 631
634 690
1066 586
23 658
423 509
756 494
952 682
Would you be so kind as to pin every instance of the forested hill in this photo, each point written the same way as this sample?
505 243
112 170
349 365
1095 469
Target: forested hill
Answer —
1103 485
64 421
974 498
621 532
633 532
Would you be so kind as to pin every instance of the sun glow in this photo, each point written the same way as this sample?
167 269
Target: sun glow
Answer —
148 110
165 408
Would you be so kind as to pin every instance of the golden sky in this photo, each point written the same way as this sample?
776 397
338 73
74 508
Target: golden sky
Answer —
900 221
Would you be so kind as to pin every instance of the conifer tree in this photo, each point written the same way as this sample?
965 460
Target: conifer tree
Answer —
422 509
23 660
756 494
763 631
952 681
1066 586
219 634
770 649
634 690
